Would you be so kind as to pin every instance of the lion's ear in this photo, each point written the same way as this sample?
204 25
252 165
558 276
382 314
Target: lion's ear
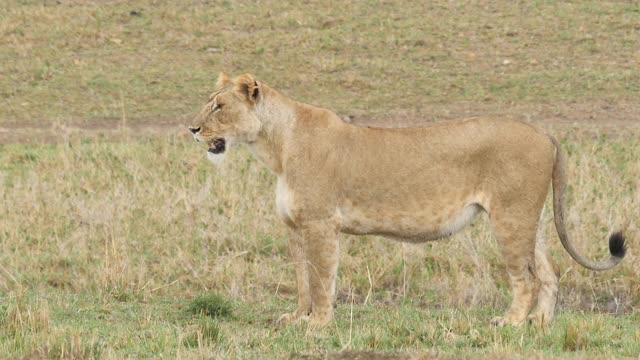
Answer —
248 86
223 81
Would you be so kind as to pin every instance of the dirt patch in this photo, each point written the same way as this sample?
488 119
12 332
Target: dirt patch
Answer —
601 114
613 118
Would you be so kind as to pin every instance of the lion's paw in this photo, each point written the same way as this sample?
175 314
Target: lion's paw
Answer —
286 319
320 320
291 318
500 321
539 319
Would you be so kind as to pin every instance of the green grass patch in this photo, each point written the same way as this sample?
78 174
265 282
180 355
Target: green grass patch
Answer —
212 305
57 323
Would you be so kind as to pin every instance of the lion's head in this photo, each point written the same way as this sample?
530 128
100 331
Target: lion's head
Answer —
229 117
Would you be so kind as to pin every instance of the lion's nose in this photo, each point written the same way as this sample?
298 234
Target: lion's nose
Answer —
194 130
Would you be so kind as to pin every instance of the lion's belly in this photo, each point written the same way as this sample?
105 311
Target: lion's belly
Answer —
417 226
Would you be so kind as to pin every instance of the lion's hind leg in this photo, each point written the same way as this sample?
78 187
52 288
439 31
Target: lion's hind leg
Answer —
547 272
518 245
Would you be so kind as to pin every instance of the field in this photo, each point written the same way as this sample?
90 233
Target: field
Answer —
118 239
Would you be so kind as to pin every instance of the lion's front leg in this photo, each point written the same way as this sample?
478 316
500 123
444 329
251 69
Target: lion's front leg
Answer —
321 250
296 252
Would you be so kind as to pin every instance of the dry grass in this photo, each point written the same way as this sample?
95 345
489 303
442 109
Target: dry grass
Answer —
134 219
153 223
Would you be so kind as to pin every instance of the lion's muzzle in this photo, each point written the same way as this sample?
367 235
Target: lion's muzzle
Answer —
219 146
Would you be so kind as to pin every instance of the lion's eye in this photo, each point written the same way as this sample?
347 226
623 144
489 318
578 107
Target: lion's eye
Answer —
217 107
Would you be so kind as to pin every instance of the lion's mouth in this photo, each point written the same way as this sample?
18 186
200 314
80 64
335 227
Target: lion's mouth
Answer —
218 146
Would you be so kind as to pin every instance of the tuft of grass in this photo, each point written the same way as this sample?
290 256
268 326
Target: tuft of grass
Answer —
71 347
206 332
574 339
212 305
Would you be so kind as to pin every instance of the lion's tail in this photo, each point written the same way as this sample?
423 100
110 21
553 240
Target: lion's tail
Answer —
617 245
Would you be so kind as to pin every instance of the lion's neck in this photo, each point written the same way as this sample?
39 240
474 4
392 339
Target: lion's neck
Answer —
284 119
278 116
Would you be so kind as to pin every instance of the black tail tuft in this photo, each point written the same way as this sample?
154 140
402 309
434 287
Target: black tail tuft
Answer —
617 245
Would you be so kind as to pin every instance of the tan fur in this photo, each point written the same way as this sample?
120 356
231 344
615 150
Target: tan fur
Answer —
414 185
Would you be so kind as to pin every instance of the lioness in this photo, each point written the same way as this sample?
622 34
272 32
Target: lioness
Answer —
413 185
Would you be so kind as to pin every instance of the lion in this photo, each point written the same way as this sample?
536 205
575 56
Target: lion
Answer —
410 184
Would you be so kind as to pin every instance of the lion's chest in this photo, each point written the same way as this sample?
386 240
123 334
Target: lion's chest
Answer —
284 201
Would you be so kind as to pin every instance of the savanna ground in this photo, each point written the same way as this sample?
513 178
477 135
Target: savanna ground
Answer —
118 238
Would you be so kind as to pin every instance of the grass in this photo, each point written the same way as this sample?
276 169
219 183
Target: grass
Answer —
140 248
91 61
211 305
124 249
103 329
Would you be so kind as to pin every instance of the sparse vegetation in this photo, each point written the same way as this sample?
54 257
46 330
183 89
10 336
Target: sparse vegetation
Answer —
109 239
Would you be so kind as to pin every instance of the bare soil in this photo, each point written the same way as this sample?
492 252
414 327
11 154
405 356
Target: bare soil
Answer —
599 116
